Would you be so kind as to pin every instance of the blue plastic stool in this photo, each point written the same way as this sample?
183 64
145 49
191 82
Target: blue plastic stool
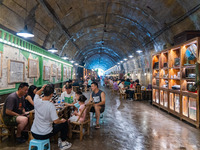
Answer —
39 144
101 119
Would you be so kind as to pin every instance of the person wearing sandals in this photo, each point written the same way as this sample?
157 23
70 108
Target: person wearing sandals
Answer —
46 122
98 97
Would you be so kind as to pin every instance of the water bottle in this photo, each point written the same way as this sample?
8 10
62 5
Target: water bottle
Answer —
59 101
59 142
63 101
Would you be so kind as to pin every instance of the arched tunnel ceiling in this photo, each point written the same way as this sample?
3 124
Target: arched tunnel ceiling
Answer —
100 33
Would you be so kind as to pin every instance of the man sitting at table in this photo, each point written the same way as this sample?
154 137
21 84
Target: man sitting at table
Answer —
68 95
14 111
98 97
46 122
122 87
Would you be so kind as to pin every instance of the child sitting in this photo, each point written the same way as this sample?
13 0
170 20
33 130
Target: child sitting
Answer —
80 105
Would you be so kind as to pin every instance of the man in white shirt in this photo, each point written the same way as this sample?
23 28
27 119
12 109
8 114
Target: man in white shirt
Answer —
68 95
121 87
46 122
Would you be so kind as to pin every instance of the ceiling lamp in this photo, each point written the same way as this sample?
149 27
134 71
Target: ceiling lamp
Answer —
64 57
76 64
118 63
121 61
125 59
131 56
53 49
25 33
139 51
72 61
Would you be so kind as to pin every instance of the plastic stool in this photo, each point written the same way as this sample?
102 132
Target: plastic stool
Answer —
101 119
39 144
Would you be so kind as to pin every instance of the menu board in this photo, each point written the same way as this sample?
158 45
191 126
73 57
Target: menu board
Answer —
53 70
32 68
15 71
46 73
1 60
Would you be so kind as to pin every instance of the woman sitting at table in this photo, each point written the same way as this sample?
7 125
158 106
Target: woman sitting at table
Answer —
80 105
29 104
115 85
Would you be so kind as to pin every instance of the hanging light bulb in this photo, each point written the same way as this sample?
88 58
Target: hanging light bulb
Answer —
25 33
64 57
131 56
53 49
72 61
139 51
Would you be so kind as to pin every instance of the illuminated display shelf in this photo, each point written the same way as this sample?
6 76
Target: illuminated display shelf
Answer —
170 82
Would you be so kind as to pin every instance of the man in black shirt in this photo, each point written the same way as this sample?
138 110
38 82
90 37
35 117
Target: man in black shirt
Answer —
14 113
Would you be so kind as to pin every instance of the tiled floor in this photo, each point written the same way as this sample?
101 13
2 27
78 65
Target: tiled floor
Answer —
131 125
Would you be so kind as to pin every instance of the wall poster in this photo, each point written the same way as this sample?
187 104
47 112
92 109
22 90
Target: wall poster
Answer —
33 66
46 73
53 70
16 70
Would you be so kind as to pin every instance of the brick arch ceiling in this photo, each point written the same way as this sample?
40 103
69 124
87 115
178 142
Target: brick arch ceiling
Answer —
99 33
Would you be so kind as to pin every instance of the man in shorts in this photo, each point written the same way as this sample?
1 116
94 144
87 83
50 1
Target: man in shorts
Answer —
14 112
98 97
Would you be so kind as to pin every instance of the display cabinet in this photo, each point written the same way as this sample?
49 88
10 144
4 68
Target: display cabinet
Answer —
157 96
192 108
161 97
174 77
171 101
166 99
154 95
185 106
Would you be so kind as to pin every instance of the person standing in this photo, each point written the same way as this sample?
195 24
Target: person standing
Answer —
99 99
14 111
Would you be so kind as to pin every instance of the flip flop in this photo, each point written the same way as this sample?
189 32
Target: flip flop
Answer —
97 126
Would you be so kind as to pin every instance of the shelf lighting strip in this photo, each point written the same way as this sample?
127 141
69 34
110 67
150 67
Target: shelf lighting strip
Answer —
28 50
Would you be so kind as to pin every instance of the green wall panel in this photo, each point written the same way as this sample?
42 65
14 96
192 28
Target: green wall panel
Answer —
6 36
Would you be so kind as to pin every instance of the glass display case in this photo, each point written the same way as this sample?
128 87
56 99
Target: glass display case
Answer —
185 105
177 103
154 95
161 97
157 96
192 108
165 98
174 75
171 101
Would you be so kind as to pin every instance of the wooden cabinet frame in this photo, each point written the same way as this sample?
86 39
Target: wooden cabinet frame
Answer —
175 75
